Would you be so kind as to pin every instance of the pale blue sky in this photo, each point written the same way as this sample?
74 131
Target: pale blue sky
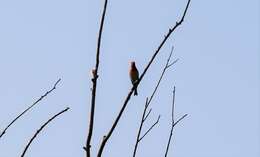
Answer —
217 76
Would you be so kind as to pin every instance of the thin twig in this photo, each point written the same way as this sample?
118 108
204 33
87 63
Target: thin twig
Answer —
172 63
94 81
162 74
173 102
150 128
147 114
27 109
171 30
179 120
39 130
149 102
171 132
173 124
141 126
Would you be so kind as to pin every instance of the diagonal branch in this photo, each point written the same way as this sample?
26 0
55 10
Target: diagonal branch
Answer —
94 81
171 30
150 128
172 63
147 114
167 65
173 123
39 130
27 109
141 126
179 120
149 101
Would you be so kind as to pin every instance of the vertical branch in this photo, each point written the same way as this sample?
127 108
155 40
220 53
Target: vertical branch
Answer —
94 81
151 127
173 102
173 124
171 30
170 137
39 130
27 109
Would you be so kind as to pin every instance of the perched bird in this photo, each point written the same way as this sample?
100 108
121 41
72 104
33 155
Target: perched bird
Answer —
134 75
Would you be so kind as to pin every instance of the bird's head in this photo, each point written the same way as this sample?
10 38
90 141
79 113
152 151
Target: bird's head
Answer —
132 64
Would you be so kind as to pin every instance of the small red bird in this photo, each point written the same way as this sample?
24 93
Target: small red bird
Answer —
134 75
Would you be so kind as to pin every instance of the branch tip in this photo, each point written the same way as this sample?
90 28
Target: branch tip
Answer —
28 108
40 129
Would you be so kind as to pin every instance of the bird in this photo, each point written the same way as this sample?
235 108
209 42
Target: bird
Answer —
134 75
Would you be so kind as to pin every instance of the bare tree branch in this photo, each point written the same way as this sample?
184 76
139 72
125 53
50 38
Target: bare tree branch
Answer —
94 81
172 63
148 102
173 123
141 126
27 109
173 102
39 130
162 74
150 128
179 120
147 114
171 30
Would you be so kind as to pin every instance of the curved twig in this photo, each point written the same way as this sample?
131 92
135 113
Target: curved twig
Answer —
39 130
27 109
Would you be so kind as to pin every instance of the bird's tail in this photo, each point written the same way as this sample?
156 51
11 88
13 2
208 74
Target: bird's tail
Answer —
135 92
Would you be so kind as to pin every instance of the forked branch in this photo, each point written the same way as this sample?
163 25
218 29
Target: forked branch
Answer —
173 124
151 127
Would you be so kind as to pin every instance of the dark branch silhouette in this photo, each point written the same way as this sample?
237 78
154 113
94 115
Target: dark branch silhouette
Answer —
141 125
147 114
148 102
171 30
94 81
37 101
150 128
39 130
173 124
